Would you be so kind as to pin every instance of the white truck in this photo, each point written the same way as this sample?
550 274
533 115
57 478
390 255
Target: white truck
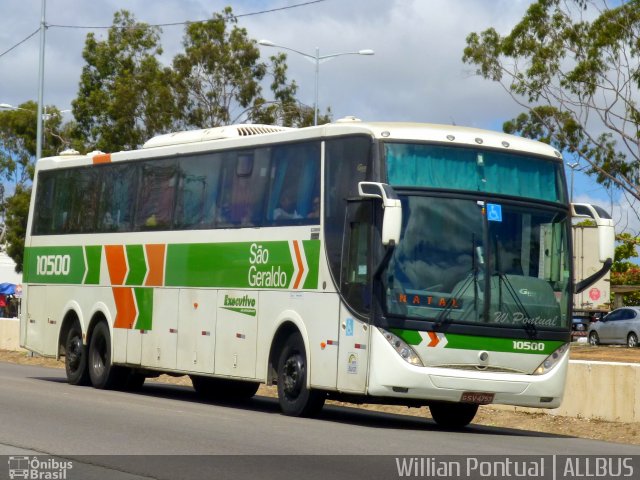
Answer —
593 302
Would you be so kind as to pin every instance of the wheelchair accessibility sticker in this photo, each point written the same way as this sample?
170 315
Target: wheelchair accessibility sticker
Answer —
494 212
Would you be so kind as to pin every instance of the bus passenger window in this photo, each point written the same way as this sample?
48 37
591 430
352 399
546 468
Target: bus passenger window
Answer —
244 182
295 184
197 205
156 198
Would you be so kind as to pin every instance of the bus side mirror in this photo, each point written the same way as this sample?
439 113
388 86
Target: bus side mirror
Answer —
606 239
392 217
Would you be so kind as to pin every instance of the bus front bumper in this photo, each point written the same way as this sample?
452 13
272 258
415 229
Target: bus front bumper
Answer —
391 376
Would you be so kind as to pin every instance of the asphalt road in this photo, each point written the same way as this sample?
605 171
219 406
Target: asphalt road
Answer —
166 431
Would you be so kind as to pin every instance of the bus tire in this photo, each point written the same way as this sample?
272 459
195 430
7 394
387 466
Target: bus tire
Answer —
293 395
453 415
75 357
103 374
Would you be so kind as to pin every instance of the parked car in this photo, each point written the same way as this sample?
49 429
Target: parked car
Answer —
621 326
580 324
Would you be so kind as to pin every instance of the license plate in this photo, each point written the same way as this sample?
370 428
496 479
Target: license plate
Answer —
479 398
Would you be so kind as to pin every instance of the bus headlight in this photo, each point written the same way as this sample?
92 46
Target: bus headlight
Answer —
552 360
402 347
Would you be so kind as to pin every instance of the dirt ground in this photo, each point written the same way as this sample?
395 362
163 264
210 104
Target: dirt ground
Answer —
627 433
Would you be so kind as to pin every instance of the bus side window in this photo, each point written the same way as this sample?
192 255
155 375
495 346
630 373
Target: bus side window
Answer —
357 256
156 197
197 191
347 163
244 182
295 184
44 211
117 197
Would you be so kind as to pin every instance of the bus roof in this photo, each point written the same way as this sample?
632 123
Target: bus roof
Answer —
241 135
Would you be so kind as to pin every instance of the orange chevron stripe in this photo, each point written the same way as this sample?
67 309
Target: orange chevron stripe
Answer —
126 311
155 260
296 248
117 263
434 339
102 158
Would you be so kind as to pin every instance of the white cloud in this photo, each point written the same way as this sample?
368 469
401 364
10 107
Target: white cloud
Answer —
416 74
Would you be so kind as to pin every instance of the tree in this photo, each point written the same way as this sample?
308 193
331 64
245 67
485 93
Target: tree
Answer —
16 214
285 110
218 71
577 79
124 96
18 141
624 272
217 79
17 156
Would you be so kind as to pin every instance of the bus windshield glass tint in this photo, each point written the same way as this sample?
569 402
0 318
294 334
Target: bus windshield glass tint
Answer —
469 261
469 169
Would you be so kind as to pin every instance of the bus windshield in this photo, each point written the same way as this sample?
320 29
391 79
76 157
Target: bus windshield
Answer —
471 261
470 169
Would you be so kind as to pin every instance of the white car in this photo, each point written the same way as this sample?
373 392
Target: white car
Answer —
618 327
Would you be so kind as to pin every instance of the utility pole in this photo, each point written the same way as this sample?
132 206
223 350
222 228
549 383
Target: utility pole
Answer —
43 27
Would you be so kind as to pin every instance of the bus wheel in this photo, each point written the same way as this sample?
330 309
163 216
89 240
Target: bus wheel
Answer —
594 340
453 415
75 357
102 373
295 398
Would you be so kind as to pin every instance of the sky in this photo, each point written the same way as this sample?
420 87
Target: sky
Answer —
416 73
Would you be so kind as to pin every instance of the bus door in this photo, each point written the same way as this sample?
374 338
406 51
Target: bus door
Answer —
36 317
355 287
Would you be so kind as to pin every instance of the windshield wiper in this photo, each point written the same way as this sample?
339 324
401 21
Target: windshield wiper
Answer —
476 256
528 324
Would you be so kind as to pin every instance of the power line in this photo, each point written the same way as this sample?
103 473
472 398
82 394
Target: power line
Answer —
188 22
20 42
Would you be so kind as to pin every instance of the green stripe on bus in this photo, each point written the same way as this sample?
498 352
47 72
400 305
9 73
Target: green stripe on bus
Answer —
312 252
137 265
474 342
493 344
94 257
55 265
144 302
260 265
412 337
239 265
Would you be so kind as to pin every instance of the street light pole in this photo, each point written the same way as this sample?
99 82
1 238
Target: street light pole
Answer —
315 99
572 166
43 27
317 59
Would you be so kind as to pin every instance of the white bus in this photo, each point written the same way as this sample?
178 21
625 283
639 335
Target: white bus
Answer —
401 263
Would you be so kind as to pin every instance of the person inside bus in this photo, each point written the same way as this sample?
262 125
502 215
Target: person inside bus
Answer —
286 209
315 208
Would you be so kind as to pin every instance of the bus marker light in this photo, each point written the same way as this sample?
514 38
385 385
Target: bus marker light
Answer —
332 342
195 305
323 345
360 346
206 334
